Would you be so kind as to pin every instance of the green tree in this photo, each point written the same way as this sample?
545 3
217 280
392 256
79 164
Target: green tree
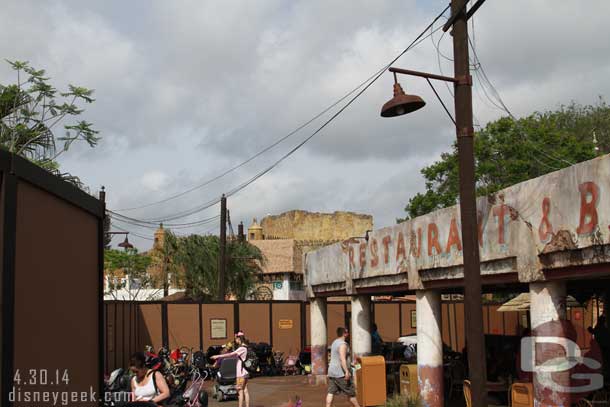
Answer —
126 270
171 270
510 151
199 256
244 265
30 111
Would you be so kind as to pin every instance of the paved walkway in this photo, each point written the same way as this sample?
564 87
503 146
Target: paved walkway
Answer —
280 391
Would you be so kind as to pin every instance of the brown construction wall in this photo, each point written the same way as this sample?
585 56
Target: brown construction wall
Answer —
56 291
254 321
407 309
387 319
217 311
307 325
150 326
287 328
183 325
130 326
335 317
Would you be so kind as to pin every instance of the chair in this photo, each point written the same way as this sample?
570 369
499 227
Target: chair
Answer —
601 398
467 393
522 394
457 374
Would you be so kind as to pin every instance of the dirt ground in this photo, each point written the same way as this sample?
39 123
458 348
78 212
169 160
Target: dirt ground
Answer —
279 391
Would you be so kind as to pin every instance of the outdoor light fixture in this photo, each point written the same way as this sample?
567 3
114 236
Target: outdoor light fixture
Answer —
401 103
125 244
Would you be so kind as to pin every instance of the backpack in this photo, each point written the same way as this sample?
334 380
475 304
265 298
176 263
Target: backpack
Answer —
251 361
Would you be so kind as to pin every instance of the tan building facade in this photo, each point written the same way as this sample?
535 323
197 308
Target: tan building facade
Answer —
314 226
284 239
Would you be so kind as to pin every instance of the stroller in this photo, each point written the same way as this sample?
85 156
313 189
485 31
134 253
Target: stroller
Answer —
117 388
195 395
226 379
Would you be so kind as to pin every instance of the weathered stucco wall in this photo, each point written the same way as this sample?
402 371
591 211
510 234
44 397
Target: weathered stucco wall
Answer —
557 220
302 225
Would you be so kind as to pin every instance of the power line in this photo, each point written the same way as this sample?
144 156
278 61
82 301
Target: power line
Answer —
503 107
367 83
264 150
133 233
298 146
185 225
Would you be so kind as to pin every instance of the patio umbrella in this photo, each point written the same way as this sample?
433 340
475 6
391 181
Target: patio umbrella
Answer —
522 303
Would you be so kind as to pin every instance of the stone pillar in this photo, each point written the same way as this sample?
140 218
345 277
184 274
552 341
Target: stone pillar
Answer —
548 316
429 348
361 326
319 346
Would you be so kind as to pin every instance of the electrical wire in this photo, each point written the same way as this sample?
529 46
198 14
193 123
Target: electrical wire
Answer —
133 233
441 100
172 225
264 150
289 153
503 107
372 79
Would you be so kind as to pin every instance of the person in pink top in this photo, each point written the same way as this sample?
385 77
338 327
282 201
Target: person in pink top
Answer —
241 354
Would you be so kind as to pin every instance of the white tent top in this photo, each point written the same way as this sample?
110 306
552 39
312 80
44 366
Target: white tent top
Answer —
522 303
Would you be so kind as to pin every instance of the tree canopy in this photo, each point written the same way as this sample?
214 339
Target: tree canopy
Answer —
127 269
199 257
31 109
509 151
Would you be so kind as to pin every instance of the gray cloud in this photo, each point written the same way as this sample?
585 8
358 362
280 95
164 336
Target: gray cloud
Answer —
187 89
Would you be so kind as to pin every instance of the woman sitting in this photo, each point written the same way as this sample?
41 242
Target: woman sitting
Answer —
147 385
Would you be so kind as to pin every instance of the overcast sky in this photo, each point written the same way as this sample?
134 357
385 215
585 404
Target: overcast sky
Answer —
187 89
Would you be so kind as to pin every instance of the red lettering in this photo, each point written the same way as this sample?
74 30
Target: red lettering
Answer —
362 255
350 253
374 253
500 212
545 230
433 239
415 244
386 249
454 237
588 208
400 247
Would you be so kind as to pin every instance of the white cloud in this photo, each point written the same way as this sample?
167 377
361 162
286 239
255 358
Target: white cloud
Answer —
154 180
187 89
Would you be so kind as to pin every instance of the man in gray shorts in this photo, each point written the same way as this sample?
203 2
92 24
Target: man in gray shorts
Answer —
339 377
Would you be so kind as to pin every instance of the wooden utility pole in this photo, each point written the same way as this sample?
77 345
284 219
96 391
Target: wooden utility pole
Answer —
401 104
222 258
468 205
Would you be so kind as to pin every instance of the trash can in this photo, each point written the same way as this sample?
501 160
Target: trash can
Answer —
370 381
408 380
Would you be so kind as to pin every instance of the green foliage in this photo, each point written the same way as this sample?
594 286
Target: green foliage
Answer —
31 109
242 268
199 256
130 264
167 259
508 152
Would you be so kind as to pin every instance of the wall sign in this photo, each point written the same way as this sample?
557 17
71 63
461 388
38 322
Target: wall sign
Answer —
218 328
285 323
413 319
